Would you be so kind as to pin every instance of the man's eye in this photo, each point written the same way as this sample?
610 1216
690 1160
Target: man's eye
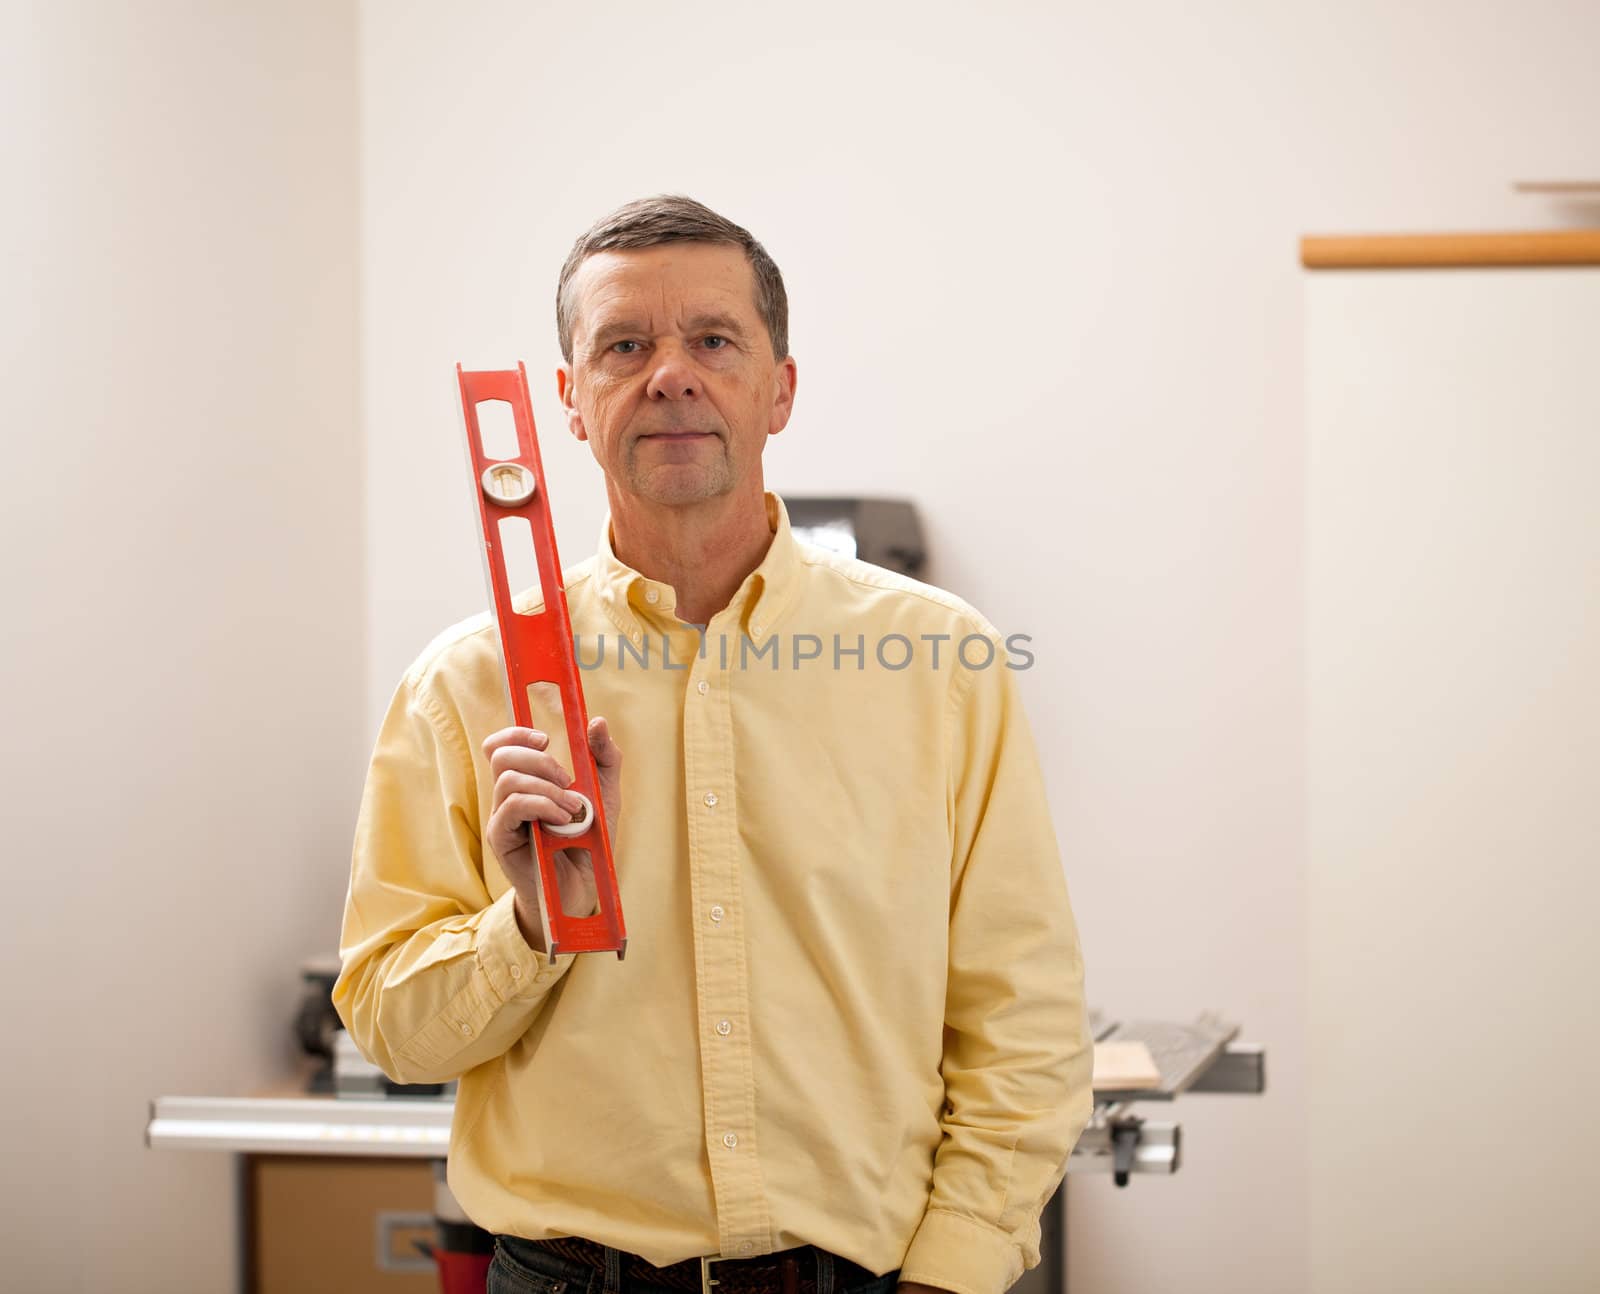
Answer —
715 343
619 347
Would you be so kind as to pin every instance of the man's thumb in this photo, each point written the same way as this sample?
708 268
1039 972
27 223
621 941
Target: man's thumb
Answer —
606 752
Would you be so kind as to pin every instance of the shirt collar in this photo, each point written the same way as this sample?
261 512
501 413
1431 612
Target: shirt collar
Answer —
758 602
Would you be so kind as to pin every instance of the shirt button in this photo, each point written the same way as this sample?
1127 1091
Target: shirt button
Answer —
755 629
746 1247
716 912
729 1140
651 596
701 687
466 1028
636 635
724 1027
516 972
711 799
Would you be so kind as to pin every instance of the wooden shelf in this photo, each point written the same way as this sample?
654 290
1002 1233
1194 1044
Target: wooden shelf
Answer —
1450 251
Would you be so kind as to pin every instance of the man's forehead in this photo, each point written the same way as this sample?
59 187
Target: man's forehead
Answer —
695 277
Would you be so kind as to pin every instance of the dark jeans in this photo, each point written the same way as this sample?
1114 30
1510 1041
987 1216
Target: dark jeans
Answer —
520 1268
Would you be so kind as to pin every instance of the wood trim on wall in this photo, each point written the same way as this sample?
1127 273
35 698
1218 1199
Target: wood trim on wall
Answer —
1444 251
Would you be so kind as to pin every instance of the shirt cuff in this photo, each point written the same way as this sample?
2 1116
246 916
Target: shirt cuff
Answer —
513 969
959 1253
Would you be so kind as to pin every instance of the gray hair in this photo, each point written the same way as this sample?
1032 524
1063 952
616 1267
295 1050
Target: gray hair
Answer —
672 218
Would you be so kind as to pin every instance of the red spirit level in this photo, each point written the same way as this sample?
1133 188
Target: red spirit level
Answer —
537 648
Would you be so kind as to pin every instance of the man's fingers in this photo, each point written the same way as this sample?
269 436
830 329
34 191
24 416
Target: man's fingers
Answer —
538 763
523 737
542 808
512 783
522 808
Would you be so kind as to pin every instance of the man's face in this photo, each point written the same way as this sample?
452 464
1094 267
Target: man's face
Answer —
672 380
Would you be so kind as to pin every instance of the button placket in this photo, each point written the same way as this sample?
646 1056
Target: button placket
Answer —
721 979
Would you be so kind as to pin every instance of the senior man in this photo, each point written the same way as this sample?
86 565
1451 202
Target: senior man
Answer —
847 1049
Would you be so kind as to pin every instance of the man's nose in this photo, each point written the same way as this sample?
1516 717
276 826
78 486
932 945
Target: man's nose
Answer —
674 376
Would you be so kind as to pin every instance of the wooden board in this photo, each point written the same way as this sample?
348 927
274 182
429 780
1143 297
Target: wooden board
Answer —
1451 251
1124 1067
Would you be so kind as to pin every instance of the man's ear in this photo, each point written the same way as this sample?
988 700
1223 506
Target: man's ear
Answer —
783 396
566 388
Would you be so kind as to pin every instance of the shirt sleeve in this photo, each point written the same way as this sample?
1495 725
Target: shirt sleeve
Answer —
435 977
1018 1056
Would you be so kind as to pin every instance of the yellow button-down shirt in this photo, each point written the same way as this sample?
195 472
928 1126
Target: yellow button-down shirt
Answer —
851 1011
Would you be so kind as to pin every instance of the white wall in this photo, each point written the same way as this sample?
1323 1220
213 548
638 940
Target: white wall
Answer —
1042 259
1453 595
182 643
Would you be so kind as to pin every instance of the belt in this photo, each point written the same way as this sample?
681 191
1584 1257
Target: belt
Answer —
792 1271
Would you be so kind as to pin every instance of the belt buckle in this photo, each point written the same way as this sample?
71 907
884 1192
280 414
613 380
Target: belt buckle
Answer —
706 1279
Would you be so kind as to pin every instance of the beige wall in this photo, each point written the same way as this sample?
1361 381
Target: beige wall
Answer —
182 644
1043 267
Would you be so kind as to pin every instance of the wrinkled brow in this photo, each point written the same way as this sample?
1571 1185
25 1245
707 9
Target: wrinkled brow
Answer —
716 323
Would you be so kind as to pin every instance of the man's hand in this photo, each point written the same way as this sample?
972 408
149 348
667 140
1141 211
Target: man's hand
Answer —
530 786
